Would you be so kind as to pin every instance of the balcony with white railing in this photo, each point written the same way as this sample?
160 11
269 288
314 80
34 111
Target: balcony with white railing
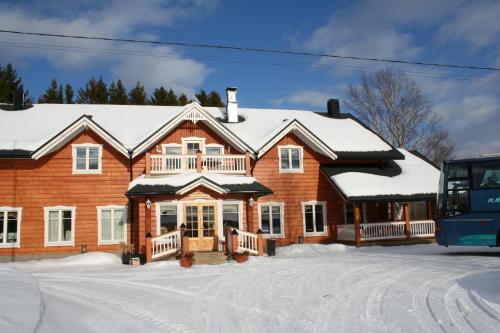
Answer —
158 164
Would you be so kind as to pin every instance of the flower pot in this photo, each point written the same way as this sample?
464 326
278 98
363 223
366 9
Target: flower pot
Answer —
126 260
186 262
240 258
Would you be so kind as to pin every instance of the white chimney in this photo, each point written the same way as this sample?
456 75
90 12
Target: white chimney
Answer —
231 106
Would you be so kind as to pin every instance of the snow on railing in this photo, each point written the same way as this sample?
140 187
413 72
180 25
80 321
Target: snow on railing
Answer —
171 164
166 244
223 163
247 241
425 228
384 230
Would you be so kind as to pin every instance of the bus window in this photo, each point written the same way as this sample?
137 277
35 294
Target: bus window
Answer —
486 175
457 195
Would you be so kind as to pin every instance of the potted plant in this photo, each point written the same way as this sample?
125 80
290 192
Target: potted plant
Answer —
127 250
240 257
186 259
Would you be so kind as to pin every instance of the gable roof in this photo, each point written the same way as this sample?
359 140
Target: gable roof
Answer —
135 127
410 179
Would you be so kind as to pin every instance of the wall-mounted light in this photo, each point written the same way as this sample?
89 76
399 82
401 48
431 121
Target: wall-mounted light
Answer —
148 204
250 202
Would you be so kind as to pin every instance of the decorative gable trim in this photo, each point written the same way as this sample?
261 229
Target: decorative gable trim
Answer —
78 126
192 112
202 182
304 134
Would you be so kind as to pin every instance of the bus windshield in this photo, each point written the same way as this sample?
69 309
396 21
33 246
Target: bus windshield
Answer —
486 175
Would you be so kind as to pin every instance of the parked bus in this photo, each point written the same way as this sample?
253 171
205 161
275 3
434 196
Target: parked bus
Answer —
468 204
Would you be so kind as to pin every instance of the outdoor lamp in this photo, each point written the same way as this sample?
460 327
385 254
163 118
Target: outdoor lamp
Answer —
148 204
250 202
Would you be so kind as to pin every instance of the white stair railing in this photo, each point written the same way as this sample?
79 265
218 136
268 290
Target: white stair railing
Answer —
166 244
425 228
384 230
247 241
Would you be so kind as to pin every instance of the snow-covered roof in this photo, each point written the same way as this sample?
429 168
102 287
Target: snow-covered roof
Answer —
131 125
184 179
411 177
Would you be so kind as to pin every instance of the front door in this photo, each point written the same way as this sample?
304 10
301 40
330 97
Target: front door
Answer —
201 226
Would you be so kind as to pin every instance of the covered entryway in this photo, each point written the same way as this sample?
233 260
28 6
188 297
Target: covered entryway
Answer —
201 226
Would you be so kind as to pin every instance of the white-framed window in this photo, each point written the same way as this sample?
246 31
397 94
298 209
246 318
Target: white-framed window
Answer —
172 149
349 213
60 226
112 224
232 214
271 219
87 158
167 217
192 144
214 149
291 158
10 227
314 217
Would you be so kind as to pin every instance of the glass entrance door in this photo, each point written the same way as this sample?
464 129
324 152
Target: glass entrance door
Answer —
201 226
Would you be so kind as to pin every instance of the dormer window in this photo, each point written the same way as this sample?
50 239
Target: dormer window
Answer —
87 158
290 158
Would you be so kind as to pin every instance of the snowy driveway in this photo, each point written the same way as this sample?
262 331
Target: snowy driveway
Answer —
421 288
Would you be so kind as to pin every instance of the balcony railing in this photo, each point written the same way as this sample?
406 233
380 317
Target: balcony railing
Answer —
157 164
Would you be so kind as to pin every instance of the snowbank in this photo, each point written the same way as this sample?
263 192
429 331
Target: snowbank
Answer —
92 259
309 249
20 301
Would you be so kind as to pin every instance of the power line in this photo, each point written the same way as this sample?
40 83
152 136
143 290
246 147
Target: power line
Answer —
176 55
251 49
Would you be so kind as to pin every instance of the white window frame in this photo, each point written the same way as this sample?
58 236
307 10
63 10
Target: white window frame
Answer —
325 220
363 215
173 203
214 145
282 214
87 171
240 211
73 218
4 210
301 160
99 226
192 139
176 145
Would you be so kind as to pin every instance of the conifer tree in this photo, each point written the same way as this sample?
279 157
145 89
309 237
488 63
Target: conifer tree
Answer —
9 83
183 100
68 90
137 95
202 98
95 92
160 97
214 99
118 93
53 94
172 98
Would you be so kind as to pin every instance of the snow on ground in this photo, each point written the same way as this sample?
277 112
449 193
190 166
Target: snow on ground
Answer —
305 288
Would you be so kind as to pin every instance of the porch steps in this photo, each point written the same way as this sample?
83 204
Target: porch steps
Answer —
209 258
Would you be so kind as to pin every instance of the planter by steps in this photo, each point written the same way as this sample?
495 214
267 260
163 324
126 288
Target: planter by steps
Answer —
186 259
240 257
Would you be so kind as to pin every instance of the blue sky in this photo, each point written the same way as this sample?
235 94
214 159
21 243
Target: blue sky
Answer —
458 32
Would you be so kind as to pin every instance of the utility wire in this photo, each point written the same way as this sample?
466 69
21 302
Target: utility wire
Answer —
128 52
251 49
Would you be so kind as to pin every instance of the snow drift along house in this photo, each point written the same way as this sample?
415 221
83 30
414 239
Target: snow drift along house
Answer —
74 176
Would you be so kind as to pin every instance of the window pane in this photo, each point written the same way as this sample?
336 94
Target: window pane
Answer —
53 226
1 227
11 227
319 218
264 219
458 170
208 221
168 219
81 164
106 225
230 215
119 224
192 221
66 226
213 150
173 150
81 153
285 162
308 214
276 221
94 153
93 164
486 175
192 147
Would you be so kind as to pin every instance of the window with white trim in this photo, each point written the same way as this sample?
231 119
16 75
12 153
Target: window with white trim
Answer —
172 149
10 227
314 215
214 149
112 224
231 215
60 226
87 158
290 158
168 218
271 219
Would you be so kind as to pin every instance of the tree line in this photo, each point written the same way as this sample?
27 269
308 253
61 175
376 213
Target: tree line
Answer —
98 92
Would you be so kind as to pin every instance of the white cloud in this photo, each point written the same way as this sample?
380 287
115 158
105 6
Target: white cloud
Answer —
312 98
119 19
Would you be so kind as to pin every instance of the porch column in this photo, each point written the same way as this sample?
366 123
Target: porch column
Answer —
357 222
149 248
406 209
198 161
